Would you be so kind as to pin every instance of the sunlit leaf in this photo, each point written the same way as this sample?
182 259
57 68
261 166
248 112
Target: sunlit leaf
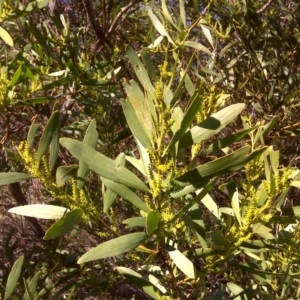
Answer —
13 277
114 247
6 37
102 165
41 211
64 224
182 262
159 26
139 281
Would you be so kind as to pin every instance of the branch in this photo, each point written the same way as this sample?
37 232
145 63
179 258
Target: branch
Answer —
265 7
123 11
97 28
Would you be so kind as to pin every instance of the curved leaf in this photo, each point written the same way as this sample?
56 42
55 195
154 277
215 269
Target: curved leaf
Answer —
211 125
114 247
102 165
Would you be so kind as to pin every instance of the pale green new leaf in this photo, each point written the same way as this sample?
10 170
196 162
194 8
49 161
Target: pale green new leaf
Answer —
182 262
211 125
114 247
13 277
206 32
41 211
139 281
159 26
125 193
12 177
235 204
103 165
6 37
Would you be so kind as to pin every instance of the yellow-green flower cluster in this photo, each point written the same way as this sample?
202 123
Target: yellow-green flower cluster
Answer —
77 199
4 89
164 70
5 10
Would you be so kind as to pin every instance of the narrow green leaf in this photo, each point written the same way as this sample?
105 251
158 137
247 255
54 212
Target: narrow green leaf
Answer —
56 84
32 286
206 32
140 107
235 204
167 14
64 173
6 37
182 262
197 46
159 26
235 289
198 224
136 125
188 118
182 13
90 139
16 75
28 293
148 64
179 89
32 101
139 281
57 73
211 125
47 136
31 134
223 165
143 77
157 284
13 277
229 140
114 247
35 4
125 193
136 221
64 224
199 197
54 145
12 177
103 165
152 221
109 196
41 211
